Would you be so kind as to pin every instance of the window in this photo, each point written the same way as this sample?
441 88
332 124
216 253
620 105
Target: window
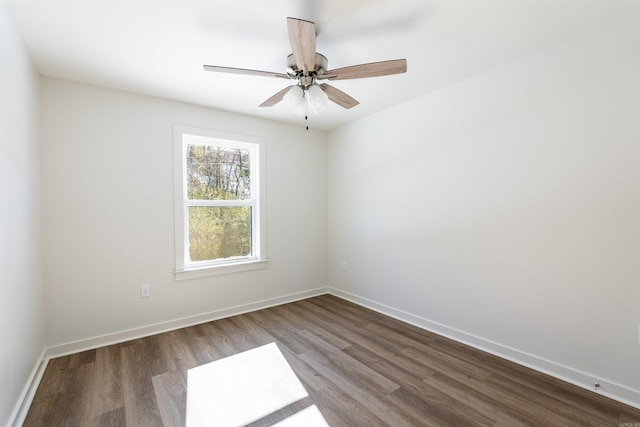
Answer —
218 202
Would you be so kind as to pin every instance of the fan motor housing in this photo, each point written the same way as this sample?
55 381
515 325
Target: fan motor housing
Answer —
320 67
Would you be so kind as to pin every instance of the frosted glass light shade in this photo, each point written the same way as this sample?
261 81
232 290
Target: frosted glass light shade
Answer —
317 98
294 99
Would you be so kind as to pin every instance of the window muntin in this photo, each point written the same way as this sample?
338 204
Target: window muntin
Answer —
218 198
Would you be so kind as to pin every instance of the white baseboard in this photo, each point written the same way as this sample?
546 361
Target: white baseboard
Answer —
581 379
26 397
157 328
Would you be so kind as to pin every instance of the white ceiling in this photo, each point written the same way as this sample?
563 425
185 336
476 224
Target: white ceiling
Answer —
158 47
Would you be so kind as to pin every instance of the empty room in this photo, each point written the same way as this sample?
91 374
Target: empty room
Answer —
408 212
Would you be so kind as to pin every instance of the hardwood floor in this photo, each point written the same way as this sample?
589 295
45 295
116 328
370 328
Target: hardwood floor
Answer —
359 367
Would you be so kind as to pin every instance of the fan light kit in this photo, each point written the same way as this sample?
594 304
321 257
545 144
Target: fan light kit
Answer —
308 67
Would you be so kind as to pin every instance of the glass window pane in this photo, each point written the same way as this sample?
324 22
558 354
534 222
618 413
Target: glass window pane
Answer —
219 232
217 173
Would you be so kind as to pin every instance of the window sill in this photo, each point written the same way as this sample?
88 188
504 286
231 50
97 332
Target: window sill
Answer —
215 270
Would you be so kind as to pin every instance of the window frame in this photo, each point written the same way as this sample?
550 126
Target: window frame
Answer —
184 135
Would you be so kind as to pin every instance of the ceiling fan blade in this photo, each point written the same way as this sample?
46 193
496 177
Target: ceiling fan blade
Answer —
302 35
243 71
276 98
373 69
339 97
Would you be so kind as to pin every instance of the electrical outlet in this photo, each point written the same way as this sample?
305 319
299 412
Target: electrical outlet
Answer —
145 292
343 266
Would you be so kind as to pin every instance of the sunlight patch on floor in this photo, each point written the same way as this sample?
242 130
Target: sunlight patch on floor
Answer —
308 417
244 388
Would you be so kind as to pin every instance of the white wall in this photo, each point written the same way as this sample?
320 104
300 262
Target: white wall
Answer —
21 290
109 224
504 210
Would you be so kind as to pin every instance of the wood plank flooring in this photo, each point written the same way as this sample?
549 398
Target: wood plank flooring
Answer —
359 367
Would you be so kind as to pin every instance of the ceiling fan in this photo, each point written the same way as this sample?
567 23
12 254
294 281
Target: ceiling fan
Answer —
308 67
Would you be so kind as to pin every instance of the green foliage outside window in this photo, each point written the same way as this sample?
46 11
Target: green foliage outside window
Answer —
219 232
217 173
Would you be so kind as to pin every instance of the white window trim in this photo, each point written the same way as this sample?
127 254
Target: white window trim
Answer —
258 260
